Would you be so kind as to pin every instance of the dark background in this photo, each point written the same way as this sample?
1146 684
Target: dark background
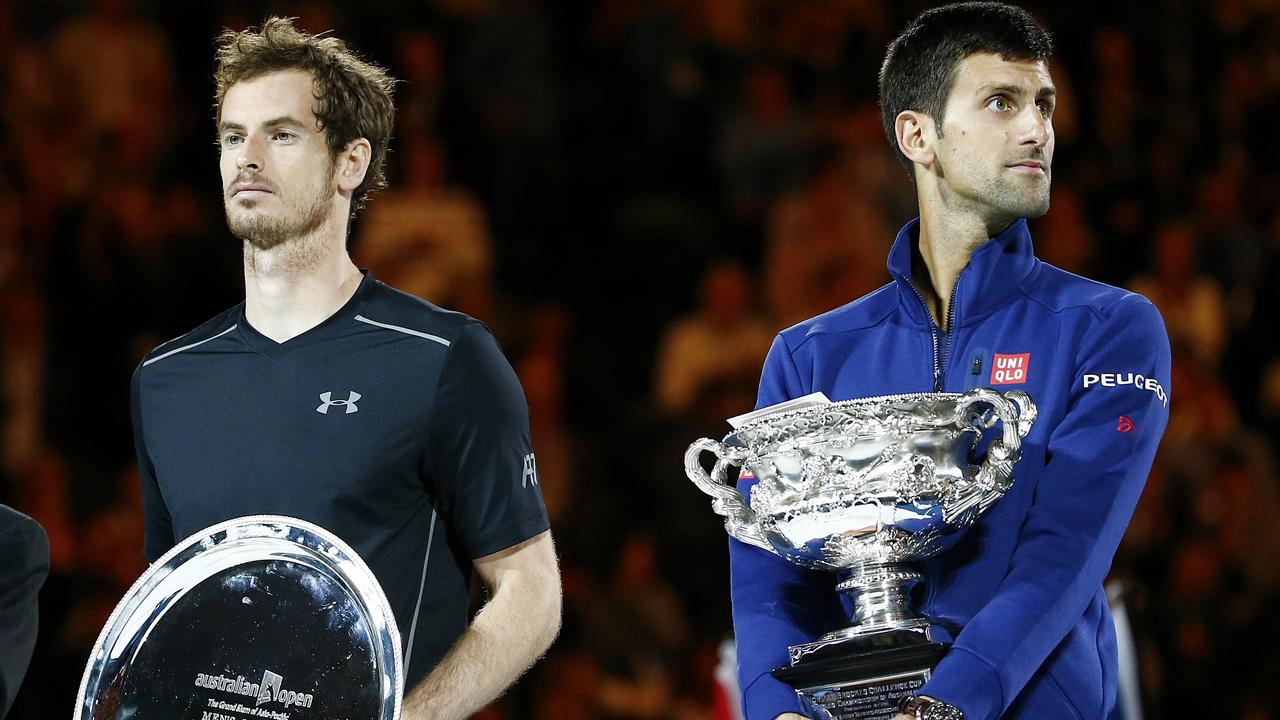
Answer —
635 195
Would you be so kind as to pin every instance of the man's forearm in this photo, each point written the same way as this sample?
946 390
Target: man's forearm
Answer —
509 633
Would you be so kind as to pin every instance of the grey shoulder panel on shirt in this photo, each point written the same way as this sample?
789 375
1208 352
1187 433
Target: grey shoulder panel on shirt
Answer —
180 348
394 310
405 330
217 326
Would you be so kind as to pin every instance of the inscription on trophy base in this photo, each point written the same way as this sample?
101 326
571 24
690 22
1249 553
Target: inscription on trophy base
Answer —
872 700
865 685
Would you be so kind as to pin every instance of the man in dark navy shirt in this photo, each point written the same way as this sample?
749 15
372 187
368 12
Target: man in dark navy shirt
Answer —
334 398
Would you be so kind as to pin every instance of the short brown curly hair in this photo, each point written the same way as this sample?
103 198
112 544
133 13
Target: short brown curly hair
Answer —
353 96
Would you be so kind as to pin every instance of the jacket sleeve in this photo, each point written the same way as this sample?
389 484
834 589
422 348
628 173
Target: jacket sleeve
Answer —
1096 463
775 603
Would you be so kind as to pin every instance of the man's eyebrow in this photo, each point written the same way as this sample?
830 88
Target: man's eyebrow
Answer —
284 120
273 122
1015 90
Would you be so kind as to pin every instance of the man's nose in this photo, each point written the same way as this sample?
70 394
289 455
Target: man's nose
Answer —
1036 129
249 154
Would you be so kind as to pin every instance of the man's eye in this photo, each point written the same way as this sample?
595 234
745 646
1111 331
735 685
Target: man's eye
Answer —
231 140
283 135
1046 108
998 104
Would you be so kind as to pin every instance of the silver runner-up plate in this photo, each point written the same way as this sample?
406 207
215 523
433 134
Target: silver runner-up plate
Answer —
258 617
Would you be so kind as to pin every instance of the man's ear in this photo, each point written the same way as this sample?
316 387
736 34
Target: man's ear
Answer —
916 134
353 164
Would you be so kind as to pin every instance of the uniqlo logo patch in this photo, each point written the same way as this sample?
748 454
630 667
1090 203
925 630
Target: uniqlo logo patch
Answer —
1010 369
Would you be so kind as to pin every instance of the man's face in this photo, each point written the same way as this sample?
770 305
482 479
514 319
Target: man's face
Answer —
277 171
996 144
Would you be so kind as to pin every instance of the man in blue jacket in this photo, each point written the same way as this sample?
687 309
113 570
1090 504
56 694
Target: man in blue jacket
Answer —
968 104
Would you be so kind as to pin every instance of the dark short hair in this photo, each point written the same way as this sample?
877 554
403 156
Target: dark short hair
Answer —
353 96
919 68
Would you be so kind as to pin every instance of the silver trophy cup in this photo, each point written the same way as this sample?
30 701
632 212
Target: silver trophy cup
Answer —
866 488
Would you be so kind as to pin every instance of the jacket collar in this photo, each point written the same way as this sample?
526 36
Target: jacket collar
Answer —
996 270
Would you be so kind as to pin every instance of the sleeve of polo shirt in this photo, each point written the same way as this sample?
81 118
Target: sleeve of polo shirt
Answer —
157 524
775 603
481 456
1096 464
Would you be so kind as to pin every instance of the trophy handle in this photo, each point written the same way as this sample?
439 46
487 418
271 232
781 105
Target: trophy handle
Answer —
1017 413
740 521
1026 410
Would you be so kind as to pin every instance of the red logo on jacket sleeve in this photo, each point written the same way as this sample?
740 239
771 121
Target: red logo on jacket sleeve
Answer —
1124 424
1010 369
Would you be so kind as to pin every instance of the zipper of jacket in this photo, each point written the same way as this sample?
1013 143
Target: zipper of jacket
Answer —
951 334
941 351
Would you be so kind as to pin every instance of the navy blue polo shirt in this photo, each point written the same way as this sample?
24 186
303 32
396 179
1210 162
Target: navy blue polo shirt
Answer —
397 425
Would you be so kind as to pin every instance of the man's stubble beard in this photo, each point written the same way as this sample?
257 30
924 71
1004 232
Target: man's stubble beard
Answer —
290 244
1014 199
1005 197
266 233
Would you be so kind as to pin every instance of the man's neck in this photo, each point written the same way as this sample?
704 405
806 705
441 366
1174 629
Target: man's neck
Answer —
297 285
947 241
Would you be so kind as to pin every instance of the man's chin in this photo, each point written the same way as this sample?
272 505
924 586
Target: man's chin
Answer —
1027 205
1040 205
258 234
1038 209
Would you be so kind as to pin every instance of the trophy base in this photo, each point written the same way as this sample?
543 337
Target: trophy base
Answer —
862 678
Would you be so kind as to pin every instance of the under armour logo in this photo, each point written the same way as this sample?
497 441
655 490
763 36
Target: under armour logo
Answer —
349 403
530 471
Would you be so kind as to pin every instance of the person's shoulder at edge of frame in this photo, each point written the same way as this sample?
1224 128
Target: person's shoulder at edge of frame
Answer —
22 538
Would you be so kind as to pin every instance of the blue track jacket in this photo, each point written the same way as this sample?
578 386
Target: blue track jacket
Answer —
1025 583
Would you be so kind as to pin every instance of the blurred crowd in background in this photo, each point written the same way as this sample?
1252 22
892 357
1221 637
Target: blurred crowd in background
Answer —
636 195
